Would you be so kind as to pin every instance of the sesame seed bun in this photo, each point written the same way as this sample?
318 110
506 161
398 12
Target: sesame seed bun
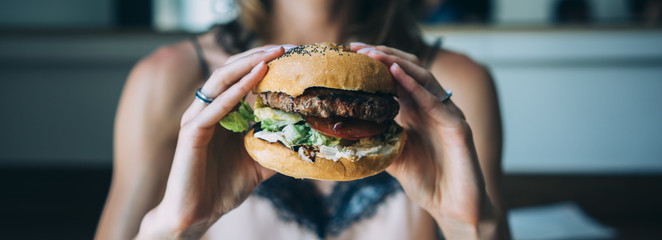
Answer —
325 65
329 66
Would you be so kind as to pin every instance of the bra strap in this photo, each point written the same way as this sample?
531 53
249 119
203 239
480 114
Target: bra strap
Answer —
204 67
432 53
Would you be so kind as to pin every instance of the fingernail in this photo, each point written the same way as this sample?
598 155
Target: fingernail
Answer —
395 67
274 48
364 50
256 67
377 52
288 46
369 50
357 44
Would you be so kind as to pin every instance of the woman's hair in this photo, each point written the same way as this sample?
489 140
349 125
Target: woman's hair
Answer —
380 22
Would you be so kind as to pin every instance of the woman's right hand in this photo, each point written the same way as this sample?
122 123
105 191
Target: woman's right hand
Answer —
211 172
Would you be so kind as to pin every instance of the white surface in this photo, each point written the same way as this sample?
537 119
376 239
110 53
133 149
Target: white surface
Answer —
557 221
575 101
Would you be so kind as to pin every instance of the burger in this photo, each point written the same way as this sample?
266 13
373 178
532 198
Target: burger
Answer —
325 112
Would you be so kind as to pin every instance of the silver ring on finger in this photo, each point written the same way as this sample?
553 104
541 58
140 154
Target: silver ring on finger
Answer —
202 97
449 93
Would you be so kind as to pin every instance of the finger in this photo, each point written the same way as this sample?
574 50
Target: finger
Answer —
193 110
397 168
397 52
392 51
421 96
420 74
355 46
389 59
226 76
362 48
446 114
224 103
254 50
246 53
265 173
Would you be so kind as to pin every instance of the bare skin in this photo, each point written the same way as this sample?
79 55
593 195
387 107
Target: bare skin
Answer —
439 168
159 91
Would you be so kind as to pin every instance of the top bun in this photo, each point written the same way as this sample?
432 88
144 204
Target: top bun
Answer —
325 65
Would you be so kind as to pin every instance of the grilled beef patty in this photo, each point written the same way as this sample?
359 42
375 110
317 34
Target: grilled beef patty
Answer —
327 103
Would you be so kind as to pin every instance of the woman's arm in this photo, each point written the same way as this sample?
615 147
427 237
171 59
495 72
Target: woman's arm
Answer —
154 98
211 172
475 93
440 168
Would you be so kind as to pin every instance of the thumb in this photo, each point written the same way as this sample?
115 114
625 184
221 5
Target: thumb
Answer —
264 173
397 168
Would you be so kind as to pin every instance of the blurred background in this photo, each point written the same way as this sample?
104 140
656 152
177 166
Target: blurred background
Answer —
579 82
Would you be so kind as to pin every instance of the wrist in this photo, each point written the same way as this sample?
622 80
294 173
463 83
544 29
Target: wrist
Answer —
481 224
158 225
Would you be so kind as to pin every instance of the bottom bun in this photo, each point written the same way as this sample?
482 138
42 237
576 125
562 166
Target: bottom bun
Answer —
277 157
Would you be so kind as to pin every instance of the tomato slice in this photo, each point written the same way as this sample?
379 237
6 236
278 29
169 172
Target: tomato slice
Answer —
351 129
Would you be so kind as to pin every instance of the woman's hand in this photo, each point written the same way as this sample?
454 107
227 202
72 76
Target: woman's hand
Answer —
439 167
211 172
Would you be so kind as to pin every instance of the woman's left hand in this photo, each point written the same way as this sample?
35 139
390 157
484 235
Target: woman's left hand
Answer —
439 167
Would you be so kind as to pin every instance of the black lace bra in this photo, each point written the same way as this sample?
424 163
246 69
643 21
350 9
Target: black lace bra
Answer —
299 201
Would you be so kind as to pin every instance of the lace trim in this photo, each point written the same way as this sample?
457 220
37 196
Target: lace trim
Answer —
299 201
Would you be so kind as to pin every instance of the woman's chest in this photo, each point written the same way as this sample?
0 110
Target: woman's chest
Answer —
364 210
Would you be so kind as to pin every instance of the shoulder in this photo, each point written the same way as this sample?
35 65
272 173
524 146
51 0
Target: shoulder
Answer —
457 69
168 66
473 88
171 72
470 81
162 85
178 64
159 87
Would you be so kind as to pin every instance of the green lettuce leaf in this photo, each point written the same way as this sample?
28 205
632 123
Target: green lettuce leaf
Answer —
270 125
237 121
275 120
291 125
246 111
295 133
318 138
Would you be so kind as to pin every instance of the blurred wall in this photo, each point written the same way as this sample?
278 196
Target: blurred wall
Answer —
58 95
584 101
56 13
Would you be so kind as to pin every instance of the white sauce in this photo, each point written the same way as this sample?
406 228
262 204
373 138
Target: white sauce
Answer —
365 147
